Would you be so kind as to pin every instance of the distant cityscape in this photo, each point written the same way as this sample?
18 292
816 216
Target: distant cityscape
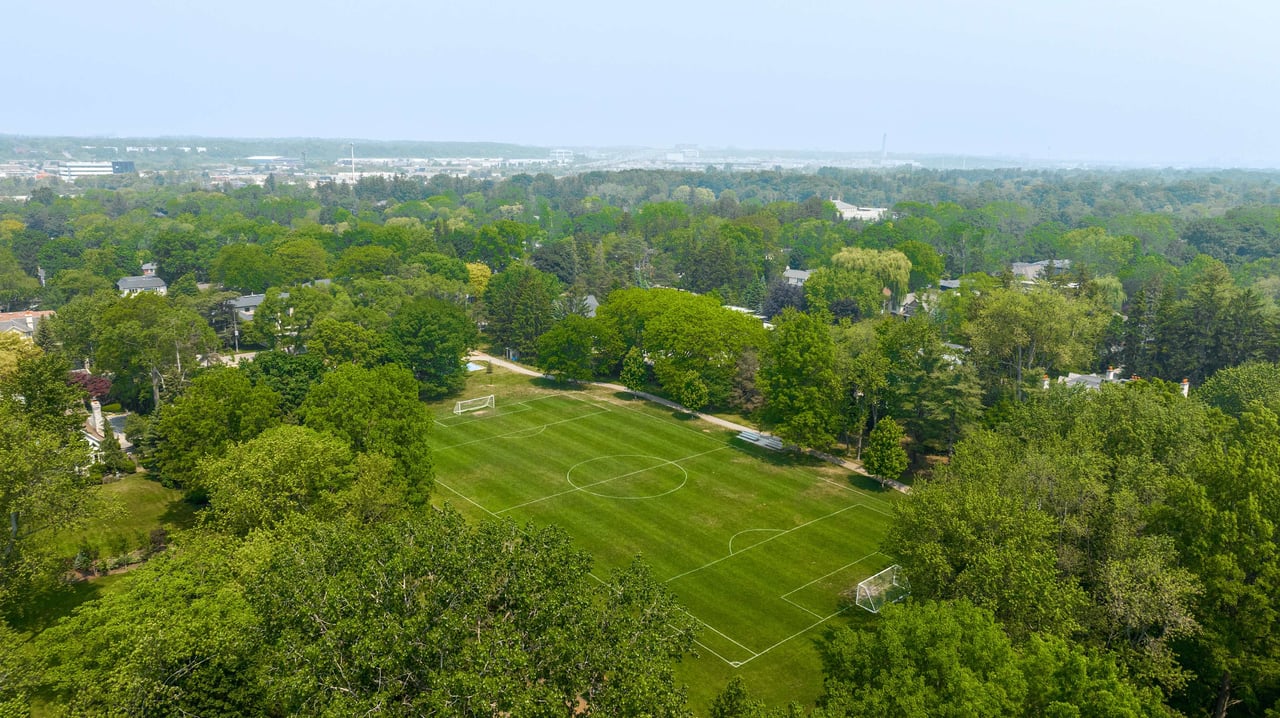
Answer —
244 162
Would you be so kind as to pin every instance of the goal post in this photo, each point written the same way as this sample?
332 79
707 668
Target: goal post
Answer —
888 586
482 402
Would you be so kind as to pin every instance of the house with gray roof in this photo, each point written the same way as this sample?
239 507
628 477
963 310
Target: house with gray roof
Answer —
130 286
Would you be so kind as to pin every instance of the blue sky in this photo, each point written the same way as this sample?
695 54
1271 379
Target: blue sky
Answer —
1147 82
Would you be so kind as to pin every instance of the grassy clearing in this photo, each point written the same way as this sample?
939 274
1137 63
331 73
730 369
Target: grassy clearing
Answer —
757 545
135 506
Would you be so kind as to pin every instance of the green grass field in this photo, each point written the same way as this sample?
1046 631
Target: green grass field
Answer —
758 546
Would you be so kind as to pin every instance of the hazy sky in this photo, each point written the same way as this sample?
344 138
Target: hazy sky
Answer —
1163 81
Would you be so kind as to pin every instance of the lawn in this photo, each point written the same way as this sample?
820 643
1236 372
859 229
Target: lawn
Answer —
758 546
133 507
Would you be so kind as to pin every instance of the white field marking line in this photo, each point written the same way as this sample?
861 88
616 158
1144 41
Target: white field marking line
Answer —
859 492
576 489
784 532
797 634
713 629
466 498
690 615
621 405
520 431
747 531
502 411
838 570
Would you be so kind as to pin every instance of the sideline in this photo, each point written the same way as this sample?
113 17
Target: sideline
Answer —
724 423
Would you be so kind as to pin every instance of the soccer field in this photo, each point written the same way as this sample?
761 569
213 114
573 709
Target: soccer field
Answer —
756 547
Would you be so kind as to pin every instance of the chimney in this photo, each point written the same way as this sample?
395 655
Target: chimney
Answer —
1045 384
98 423
1186 387
1111 373
31 321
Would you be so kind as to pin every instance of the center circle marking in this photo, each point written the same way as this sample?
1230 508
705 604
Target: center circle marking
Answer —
600 487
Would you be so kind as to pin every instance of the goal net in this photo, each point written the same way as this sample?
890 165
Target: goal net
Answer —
482 402
888 586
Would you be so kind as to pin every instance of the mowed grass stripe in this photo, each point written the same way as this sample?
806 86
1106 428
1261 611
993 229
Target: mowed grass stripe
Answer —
757 546
758 578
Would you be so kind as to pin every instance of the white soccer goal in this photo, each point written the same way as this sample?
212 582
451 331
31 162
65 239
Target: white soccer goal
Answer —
888 586
482 402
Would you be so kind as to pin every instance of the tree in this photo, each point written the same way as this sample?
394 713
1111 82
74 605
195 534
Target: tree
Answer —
884 456
635 372
42 487
1233 389
567 349
519 304
289 375
376 411
799 382
1015 334
890 268
690 391
113 458
924 659
926 264
246 268
780 295
282 471
301 260
220 407
336 342
432 338
429 615
148 339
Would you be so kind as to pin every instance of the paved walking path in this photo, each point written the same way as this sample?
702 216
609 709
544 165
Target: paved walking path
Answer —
725 423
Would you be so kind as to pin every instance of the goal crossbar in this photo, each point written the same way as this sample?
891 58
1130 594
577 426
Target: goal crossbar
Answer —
481 402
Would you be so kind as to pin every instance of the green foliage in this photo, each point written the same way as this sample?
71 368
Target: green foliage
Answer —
798 380
519 304
148 339
567 350
246 268
376 411
1233 389
635 372
282 471
289 375
335 342
220 407
924 659
884 456
432 337
42 486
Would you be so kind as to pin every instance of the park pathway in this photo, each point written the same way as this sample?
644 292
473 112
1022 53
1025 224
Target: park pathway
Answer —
725 423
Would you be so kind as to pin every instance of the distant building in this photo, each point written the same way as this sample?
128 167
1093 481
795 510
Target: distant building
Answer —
1031 271
148 282
23 324
796 276
246 305
563 157
70 171
862 214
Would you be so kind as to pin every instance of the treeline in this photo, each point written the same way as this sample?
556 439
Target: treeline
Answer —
1108 551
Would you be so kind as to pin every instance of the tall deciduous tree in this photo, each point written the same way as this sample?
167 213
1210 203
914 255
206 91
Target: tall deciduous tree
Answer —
799 381
376 411
148 339
432 338
220 407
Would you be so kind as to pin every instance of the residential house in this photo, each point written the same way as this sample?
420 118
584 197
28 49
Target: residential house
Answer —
1043 269
22 323
796 276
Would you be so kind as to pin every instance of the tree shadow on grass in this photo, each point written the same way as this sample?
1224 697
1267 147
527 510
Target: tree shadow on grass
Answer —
47 607
866 483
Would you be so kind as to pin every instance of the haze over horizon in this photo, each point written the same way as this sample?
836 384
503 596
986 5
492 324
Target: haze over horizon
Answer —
1121 82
